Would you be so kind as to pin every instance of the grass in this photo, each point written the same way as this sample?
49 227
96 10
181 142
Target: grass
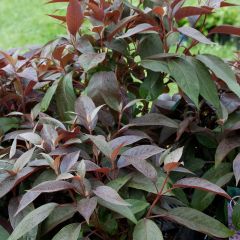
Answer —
24 22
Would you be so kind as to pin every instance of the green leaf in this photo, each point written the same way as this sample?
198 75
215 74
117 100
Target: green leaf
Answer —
137 205
7 124
69 232
236 216
218 175
149 45
186 78
152 86
198 221
141 182
222 70
102 145
65 97
3 233
48 96
208 88
147 230
156 65
119 182
122 210
32 220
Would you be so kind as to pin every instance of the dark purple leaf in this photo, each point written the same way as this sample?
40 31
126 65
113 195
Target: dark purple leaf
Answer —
110 195
201 184
86 207
236 168
69 161
194 34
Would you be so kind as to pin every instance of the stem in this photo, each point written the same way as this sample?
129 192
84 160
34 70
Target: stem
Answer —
119 120
159 195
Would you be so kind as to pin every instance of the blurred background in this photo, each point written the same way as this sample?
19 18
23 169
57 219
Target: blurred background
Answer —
25 22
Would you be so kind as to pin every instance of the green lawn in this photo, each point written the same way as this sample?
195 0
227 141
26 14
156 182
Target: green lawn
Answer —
24 22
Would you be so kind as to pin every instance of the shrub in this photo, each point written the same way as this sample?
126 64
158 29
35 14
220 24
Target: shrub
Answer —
93 144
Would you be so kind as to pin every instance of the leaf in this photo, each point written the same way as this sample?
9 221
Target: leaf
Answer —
124 141
186 78
131 103
208 88
11 181
23 160
59 215
201 184
108 194
103 87
31 137
15 218
194 34
147 230
236 216
69 232
149 45
152 85
226 29
171 161
81 169
141 182
53 122
91 60
191 11
120 25
32 220
174 156
137 156
65 97
13 148
119 182
86 207
44 104
220 176
7 124
69 161
122 210
3 233
27 198
74 16
137 205
137 29
153 119
198 221
221 70
236 168
102 145
156 65
84 107
225 147
52 186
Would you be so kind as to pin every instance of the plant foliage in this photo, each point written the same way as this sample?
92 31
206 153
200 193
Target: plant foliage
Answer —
94 145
